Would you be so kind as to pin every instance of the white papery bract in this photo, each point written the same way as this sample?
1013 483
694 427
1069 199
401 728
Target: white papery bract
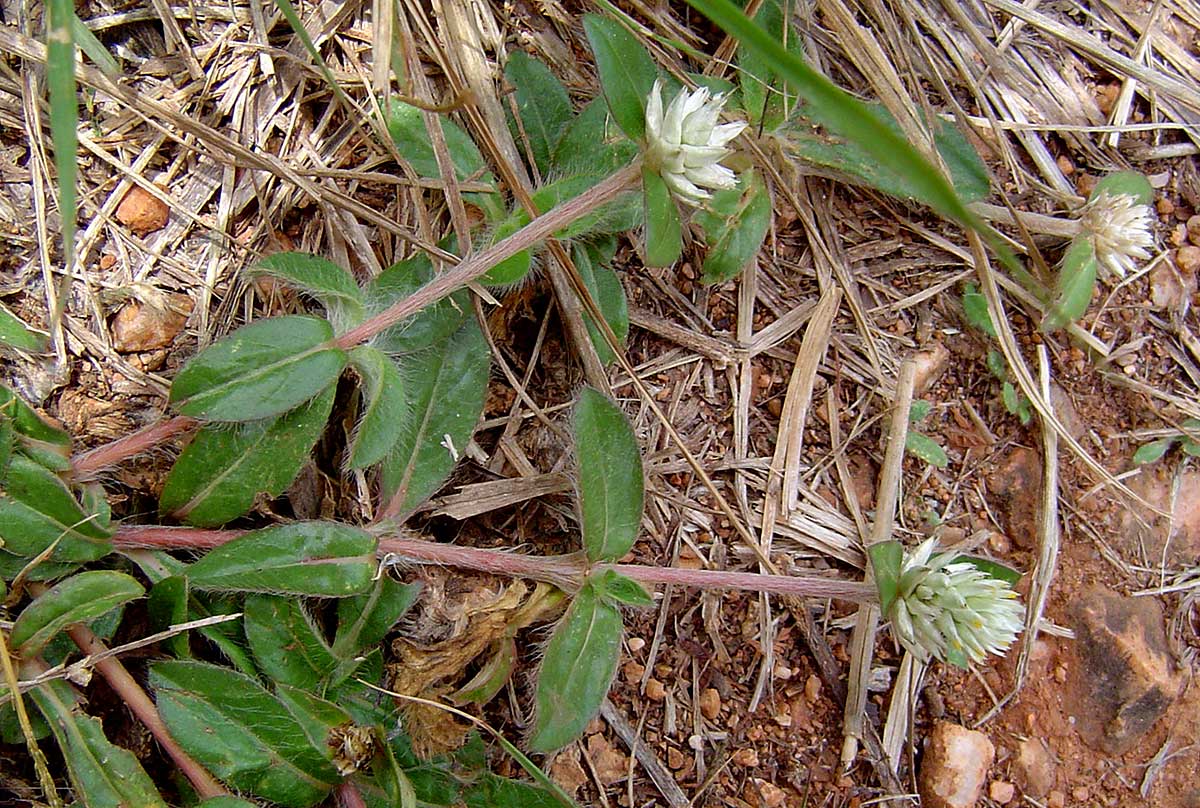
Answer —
946 608
685 144
1119 228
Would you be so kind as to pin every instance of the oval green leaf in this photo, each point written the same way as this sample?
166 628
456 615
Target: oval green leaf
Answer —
606 289
364 620
581 659
445 391
326 282
926 448
304 558
287 645
621 590
1153 451
741 236
611 487
241 733
259 371
626 72
1074 287
101 773
1125 183
225 467
383 406
15 334
78 599
887 559
664 233
543 107
37 510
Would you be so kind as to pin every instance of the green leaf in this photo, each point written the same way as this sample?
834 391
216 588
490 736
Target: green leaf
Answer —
591 146
364 620
241 733
621 590
16 334
993 569
924 447
542 104
735 243
493 791
887 559
844 115
611 486
48 445
37 509
378 426
226 802
626 72
166 606
407 128
326 282
7 440
445 393
581 659
976 309
664 234
287 646
1074 286
429 327
918 410
516 266
316 715
78 599
997 365
605 288
303 558
64 116
766 99
1153 451
1008 394
261 370
102 775
226 466
1124 183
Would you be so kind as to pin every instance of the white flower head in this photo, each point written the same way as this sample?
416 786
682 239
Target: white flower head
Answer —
685 143
948 608
1119 227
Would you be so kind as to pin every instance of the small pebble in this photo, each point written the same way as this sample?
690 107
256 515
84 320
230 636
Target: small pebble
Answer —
636 644
655 690
772 795
1002 791
746 758
812 688
142 212
675 758
1057 799
710 703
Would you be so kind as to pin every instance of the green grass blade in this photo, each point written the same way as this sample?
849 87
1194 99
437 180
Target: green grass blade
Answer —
840 112
64 114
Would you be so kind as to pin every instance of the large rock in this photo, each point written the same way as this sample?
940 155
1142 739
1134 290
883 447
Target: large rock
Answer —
1125 677
955 766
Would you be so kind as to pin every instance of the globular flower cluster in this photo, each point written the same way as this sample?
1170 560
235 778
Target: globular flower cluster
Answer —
946 608
685 143
1119 227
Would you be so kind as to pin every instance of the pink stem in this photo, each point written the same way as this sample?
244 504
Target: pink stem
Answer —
565 571
347 795
140 704
143 440
541 228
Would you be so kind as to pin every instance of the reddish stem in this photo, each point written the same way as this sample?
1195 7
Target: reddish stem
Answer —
541 228
140 704
565 571
143 440
347 795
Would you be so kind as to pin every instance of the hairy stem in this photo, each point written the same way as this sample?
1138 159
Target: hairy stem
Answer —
541 228
140 704
143 440
566 571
